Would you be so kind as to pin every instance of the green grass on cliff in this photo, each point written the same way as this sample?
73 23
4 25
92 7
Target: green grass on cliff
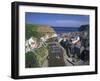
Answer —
31 30
36 58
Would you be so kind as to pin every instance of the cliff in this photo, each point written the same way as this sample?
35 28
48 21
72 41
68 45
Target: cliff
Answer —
37 56
38 30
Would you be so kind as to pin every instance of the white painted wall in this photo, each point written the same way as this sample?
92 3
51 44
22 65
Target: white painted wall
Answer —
5 40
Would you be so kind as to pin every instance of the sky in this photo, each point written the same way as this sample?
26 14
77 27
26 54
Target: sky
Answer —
56 20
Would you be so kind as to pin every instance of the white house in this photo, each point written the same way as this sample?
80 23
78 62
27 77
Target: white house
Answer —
30 44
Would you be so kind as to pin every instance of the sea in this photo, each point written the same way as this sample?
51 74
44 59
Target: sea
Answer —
65 29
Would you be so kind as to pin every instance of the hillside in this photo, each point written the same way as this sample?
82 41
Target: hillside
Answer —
37 56
37 30
84 28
